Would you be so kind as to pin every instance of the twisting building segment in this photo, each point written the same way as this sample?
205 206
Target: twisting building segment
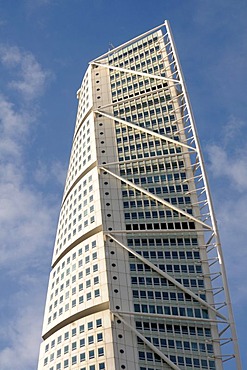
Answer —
138 280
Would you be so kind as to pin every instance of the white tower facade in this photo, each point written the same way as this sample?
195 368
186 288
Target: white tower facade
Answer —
138 279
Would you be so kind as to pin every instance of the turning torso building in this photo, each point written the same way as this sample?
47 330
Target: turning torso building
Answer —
138 279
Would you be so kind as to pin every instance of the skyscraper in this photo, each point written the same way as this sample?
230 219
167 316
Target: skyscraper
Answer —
138 279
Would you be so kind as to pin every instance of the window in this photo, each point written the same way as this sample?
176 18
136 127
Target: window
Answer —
98 323
90 339
99 337
74 360
82 357
91 354
66 335
82 342
100 351
66 363
90 325
81 299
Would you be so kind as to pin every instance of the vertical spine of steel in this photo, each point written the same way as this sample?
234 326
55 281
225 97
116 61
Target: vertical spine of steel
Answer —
210 204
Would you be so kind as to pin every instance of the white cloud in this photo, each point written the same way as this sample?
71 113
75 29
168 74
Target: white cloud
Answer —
14 127
23 343
46 172
231 165
27 216
228 169
233 130
30 78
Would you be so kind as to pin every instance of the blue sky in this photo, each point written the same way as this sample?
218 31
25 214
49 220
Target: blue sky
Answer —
45 46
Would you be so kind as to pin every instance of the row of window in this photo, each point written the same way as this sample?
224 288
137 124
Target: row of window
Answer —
159 190
167 120
76 269
177 269
162 226
150 215
188 283
143 104
128 83
155 214
73 257
87 260
134 48
150 153
152 180
159 167
62 230
173 329
147 153
90 295
149 143
118 97
125 135
65 365
82 141
88 284
165 242
68 282
68 226
84 186
178 344
145 113
83 98
73 346
169 254
144 63
179 360
175 311
74 332
166 296
123 64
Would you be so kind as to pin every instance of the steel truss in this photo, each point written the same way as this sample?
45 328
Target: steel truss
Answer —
205 220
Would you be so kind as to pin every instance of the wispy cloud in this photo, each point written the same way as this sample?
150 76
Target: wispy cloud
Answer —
230 165
21 332
27 216
228 158
46 172
30 78
227 166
